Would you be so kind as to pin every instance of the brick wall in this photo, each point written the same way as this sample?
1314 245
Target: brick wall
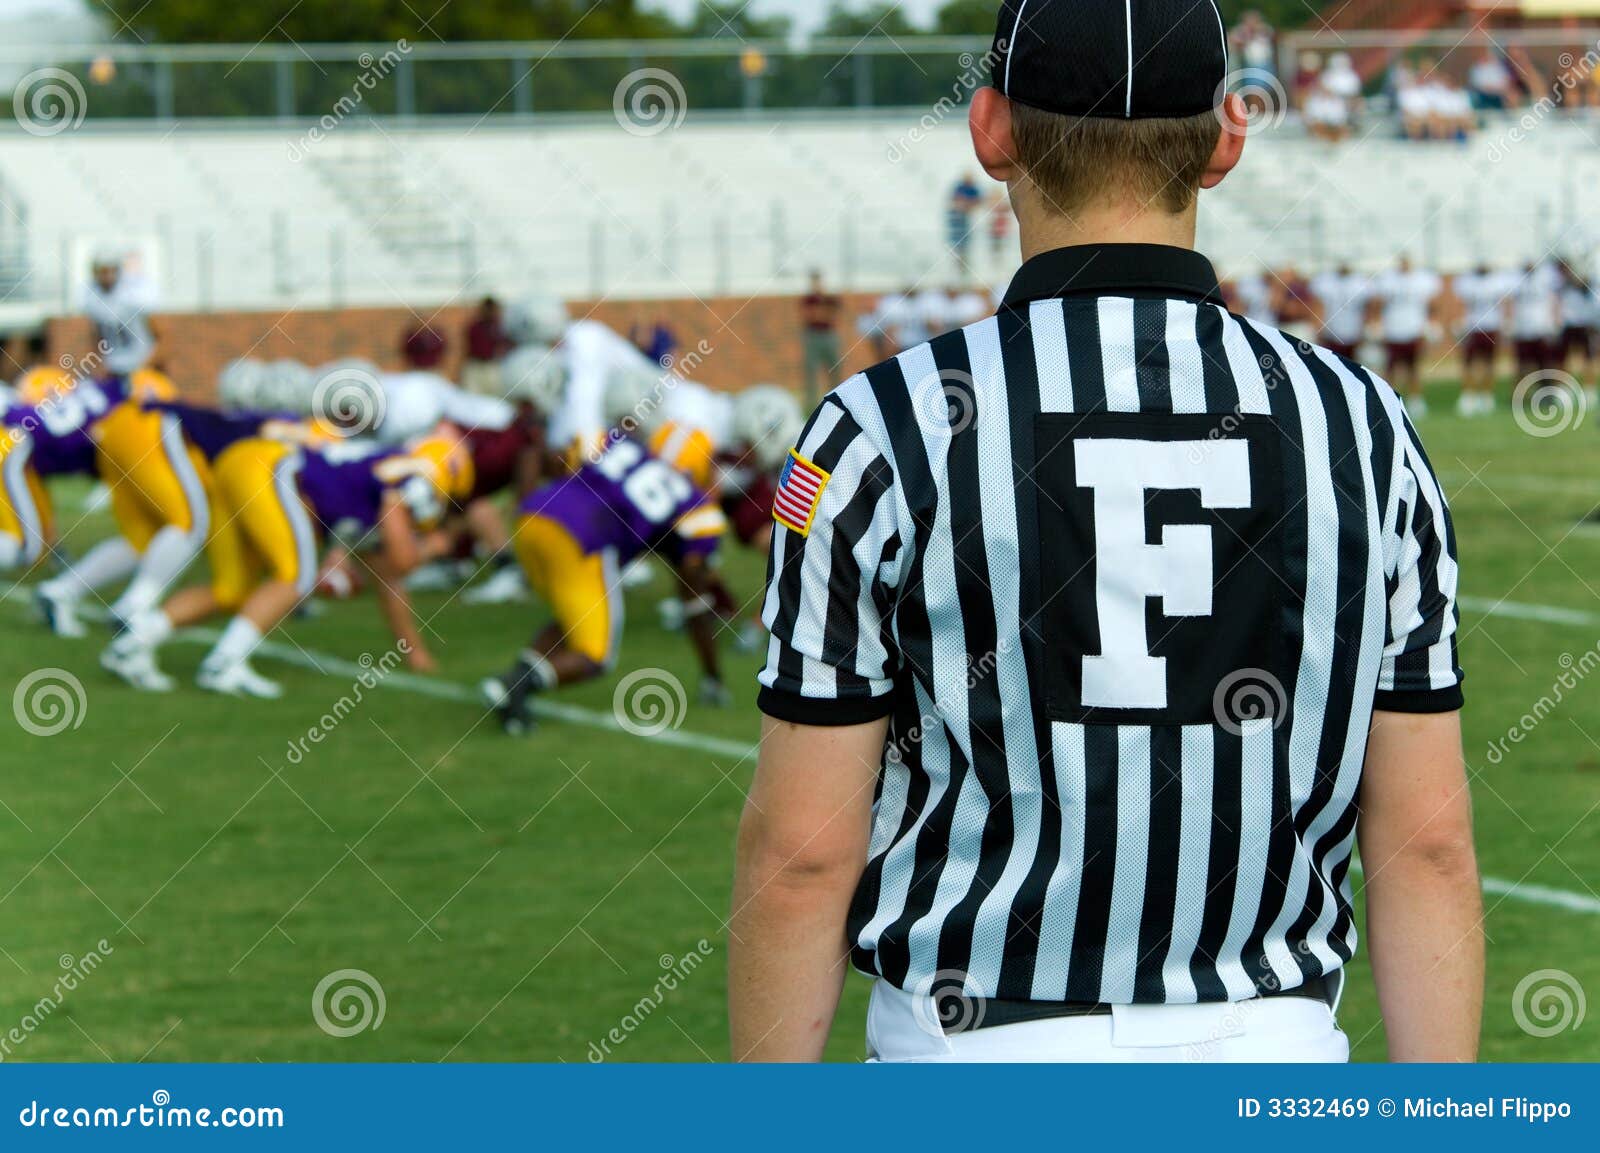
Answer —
750 340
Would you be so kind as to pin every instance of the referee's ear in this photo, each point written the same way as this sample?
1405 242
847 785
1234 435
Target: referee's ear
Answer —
1235 119
990 120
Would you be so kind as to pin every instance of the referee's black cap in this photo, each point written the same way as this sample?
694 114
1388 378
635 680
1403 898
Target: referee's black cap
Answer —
1112 59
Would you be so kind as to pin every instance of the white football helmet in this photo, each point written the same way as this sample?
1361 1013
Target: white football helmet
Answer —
537 374
633 397
239 385
768 420
537 319
292 385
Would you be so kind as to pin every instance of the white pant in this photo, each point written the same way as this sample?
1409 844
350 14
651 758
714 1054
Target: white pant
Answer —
903 1026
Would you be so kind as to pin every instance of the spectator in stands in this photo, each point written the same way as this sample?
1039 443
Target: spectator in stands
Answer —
1341 78
965 200
819 335
1327 114
1251 43
424 347
1454 118
486 344
1490 82
1308 74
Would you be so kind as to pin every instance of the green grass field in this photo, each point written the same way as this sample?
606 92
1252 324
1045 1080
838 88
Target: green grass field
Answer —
517 901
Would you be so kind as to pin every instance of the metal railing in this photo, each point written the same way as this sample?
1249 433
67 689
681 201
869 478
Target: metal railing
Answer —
491 79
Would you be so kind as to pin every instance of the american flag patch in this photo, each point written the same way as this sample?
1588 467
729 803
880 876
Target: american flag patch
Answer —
799 492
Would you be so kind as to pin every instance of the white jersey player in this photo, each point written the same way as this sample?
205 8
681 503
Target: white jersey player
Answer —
1485 299
1342 297
1409 295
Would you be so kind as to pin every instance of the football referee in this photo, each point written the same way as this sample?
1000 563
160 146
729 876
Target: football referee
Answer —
1102 631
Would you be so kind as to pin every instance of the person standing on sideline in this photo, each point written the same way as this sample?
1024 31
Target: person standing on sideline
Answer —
1342 295
1485 299
486 346
1409 295
819 336
965 200
1101 630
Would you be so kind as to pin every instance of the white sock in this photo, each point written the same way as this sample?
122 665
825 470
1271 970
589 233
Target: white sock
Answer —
149 628
104 564
236 644
170 552
10 553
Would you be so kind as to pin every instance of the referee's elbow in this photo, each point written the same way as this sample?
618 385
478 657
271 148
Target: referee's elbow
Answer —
777 851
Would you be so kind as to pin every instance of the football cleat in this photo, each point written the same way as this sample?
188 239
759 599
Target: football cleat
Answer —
503 588
60 613
512 701
238 680
135 665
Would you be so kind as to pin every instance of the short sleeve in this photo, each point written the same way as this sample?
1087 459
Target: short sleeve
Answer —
1421 671
832 578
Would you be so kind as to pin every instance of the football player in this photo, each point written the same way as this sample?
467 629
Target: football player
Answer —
573 538
276 502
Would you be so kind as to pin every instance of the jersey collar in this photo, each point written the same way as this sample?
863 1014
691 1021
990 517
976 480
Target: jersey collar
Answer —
1156 270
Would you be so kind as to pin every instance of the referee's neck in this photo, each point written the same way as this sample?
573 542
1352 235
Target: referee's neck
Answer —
1044 230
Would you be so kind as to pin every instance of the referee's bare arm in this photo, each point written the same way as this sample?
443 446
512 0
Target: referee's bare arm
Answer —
1424 904
802 846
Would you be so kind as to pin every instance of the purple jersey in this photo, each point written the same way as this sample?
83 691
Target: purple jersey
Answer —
212 431
630 502
342 485
61 428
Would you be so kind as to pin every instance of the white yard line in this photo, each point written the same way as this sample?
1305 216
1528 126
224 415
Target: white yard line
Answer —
721 747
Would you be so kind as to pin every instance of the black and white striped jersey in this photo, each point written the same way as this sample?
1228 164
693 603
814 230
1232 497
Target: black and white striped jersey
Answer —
1128 575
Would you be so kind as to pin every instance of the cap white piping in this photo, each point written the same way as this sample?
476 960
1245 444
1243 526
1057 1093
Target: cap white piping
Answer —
1011 50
